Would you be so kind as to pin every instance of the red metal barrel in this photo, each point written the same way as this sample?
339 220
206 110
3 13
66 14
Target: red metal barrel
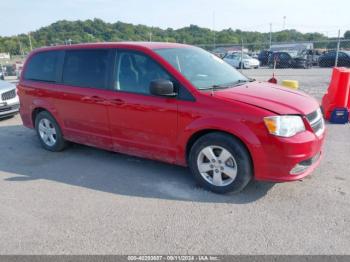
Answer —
338 91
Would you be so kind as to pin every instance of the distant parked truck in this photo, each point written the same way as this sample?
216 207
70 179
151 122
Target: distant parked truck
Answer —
289 60
298 47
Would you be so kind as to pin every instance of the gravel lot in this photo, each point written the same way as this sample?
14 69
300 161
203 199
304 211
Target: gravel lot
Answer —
90 201
313 81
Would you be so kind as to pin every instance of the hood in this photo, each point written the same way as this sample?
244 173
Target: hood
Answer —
272 97
6 86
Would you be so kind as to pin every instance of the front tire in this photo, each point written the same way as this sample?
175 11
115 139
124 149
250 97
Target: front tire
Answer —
220 163
49 132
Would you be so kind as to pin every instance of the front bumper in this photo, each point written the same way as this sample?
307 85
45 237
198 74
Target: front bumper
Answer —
8 109
250 65
279 157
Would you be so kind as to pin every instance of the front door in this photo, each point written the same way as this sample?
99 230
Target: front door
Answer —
142 124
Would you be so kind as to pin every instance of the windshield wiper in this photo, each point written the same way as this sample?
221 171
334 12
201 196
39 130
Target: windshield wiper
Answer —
241 81
228 85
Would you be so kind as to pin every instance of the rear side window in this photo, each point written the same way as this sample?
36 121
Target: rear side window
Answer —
43 66
86 68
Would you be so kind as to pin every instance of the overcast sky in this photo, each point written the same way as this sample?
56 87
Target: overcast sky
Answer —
22 16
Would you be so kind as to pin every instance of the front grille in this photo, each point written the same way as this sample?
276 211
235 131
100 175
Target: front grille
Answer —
312 116
8 95
310 161
316 121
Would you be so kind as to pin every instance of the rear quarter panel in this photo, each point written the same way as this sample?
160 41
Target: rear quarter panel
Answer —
36 95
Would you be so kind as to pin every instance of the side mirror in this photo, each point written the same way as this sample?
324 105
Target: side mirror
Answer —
162 87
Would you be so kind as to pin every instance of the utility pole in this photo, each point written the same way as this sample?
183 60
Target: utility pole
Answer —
30 42
284 22
270 35
214 28
241 55
338 47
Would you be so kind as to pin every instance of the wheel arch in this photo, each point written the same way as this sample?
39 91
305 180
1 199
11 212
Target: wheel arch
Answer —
41 108
36 111
39 105
200 133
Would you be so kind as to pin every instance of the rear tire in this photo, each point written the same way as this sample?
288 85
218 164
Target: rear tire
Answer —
220 163
49 132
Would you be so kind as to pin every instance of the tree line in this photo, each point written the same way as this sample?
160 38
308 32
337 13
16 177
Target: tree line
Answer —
96 30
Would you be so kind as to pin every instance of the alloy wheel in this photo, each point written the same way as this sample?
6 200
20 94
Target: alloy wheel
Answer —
217 165
47 132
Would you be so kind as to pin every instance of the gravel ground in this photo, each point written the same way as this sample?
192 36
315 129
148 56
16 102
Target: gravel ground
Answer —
90 201
313 81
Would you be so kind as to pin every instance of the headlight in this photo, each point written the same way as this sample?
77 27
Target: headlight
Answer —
285 126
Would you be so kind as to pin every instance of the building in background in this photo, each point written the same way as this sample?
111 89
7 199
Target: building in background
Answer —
299 47
5 56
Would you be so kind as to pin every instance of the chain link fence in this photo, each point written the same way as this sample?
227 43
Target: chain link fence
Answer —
328 53
308 63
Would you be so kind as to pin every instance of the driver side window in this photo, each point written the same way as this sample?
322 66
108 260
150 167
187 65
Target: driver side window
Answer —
135 71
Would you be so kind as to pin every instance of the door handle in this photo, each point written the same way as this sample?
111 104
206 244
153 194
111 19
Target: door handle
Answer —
117 101
95 99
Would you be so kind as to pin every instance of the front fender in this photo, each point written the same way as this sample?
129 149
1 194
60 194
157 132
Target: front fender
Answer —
238 129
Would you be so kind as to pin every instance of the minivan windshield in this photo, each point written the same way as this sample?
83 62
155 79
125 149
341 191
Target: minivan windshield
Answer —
203 69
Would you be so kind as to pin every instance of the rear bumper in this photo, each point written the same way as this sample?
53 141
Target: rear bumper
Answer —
280 156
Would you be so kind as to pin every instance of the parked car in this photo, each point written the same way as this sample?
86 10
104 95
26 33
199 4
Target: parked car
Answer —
264 57
328 59
9 70
175 103
254 55
9 102
235 60
289 60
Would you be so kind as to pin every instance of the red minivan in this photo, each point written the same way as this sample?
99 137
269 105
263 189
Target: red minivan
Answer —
174 103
